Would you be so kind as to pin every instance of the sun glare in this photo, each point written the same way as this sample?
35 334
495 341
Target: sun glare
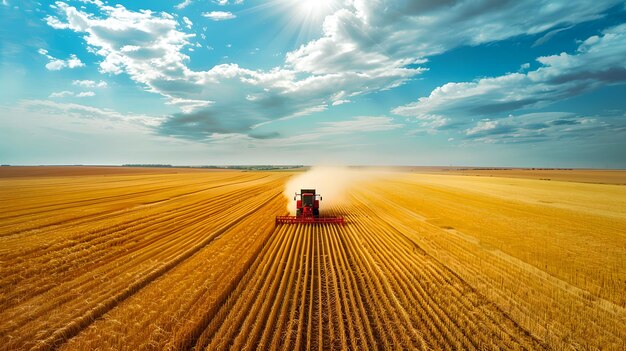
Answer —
314 8
298 21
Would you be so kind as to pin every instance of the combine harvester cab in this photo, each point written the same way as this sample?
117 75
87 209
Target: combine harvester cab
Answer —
308 210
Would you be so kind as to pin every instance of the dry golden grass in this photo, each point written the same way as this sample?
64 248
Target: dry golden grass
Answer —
163 260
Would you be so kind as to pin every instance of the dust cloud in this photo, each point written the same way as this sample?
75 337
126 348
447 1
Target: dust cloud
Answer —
333 183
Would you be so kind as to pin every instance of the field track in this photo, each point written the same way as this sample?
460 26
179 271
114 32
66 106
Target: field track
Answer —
193 260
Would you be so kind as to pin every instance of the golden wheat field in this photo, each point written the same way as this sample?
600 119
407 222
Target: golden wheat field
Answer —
180 259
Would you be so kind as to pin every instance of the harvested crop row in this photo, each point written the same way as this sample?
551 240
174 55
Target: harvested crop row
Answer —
362 286
174 309
289 298
72 254
194 261
101 273
551 309
442 307
41 210
39 204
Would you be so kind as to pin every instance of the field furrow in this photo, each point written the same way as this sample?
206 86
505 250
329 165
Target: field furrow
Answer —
194 260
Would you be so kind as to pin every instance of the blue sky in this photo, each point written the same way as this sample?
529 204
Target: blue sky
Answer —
189 82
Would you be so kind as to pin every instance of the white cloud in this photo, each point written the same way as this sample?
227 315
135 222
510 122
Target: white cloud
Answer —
61 94
94 2
148 47
432 122
359 124
340 102
597 62
548 36
540 127
74 62
90 83
482 126
228 2
91 113
374 35
188 22
66 93
325 134
183 4
55 64
186 3
143 44
366 47
55 23
189 105
219 15
68 133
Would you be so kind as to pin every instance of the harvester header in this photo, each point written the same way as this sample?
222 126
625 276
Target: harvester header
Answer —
308 210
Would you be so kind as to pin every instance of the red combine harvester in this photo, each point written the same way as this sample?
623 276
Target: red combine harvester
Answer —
308 210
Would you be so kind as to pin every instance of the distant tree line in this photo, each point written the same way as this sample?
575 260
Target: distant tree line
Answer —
147 165
236 167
